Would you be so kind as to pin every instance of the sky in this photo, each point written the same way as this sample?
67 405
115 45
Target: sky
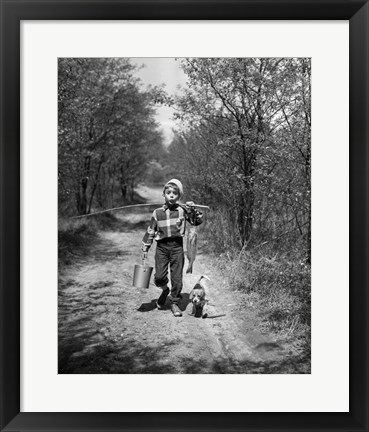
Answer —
162 71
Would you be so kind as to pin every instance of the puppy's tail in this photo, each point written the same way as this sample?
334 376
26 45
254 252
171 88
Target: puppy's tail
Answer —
203 281
205 277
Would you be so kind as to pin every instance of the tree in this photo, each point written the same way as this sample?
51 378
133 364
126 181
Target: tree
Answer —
107 131
245 130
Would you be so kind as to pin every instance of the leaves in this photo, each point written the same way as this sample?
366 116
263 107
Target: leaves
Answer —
107 132
245 140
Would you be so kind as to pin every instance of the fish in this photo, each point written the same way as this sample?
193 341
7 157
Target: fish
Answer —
191 248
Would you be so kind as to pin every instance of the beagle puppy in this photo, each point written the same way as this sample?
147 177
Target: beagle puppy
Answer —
198 298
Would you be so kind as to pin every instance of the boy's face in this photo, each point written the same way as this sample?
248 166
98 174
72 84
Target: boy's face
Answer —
171 195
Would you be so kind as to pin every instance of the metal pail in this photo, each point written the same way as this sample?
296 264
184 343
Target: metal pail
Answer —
141 276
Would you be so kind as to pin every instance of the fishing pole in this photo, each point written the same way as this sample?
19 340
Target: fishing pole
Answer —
184 206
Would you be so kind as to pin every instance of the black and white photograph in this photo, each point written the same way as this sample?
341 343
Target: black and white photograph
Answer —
184 215
184 209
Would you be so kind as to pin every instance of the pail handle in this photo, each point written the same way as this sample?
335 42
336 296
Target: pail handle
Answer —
144 255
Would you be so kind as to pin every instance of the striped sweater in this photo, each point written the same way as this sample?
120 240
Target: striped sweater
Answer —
169 222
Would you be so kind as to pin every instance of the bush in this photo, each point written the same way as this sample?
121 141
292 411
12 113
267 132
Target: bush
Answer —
280 287
218 232
75 235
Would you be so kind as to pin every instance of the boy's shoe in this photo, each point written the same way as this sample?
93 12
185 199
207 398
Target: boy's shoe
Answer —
176 310
161 300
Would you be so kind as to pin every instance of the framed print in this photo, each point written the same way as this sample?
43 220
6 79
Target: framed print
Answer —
270 102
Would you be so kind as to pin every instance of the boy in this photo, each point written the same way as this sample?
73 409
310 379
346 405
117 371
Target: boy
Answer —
167 226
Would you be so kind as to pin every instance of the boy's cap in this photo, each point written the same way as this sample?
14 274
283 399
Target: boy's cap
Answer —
177 183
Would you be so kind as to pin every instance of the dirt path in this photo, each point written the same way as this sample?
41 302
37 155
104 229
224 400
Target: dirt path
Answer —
107 326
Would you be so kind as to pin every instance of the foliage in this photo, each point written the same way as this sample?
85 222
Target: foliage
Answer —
107 133
277 285
73 237
77 236
244 141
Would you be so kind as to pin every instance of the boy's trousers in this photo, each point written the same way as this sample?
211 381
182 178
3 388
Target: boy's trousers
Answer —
169 251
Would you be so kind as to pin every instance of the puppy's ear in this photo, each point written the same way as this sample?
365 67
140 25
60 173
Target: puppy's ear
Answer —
191 295
202 294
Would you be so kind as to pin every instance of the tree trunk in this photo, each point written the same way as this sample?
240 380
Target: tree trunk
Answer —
245 215
123 189
132 187
83 197
78 200
95 182
123 185
247 198
82 207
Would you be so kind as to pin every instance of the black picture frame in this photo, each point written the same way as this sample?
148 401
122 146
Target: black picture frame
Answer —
12 12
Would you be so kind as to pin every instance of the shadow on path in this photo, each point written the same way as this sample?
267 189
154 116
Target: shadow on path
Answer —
134 357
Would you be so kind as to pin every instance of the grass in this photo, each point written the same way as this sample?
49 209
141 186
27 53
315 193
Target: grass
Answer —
274 278
278 287
75 235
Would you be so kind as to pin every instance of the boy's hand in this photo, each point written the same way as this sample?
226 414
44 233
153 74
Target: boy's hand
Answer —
198 216
190 204
145 249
